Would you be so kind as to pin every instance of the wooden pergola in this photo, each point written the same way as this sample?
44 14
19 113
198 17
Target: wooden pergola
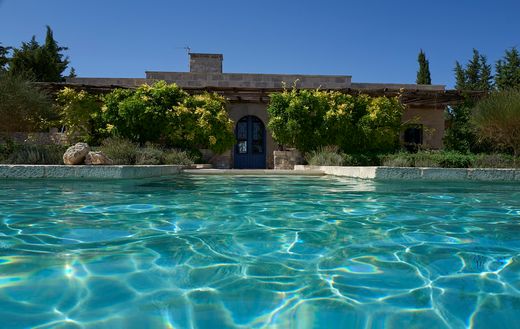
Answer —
409 97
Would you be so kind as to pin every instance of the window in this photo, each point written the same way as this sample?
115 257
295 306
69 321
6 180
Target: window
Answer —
413 137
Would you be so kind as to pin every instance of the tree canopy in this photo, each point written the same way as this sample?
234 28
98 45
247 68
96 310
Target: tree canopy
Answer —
40 62
423 75
508 70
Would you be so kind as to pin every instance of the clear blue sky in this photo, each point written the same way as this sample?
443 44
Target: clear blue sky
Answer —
374 41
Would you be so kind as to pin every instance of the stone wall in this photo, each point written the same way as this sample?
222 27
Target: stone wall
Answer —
287 159
246 80
432 120
39 138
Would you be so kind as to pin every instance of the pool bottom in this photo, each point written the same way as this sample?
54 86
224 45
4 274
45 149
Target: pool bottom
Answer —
255 252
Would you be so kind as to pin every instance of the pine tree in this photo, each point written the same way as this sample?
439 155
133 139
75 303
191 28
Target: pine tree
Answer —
4 60
508 70
423 75
72 73
40 62
461 135
460 77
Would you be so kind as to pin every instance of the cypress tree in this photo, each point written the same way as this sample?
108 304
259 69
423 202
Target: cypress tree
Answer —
508 70
423 75
57 64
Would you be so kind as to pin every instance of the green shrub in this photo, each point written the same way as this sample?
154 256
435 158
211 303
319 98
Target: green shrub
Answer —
357 159
309 119
497 118
443 159
165 114
496 161
36 154
80 114
149 155
176 157
121 151
23 106
401 159
325 156
455 160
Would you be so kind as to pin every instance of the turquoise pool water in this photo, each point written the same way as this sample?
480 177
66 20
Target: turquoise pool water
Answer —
259 252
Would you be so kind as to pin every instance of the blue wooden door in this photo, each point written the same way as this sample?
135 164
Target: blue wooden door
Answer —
250 148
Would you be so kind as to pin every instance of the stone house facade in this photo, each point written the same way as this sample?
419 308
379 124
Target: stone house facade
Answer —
248 96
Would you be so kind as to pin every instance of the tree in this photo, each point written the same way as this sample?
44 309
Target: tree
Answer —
508 70
23 107
423 75
476 76
4 60
72 73
40 62
497 118
164 113
310 119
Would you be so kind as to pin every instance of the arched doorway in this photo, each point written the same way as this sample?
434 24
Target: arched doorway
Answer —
250 148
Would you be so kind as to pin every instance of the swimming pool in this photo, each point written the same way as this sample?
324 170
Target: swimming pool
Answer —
258 252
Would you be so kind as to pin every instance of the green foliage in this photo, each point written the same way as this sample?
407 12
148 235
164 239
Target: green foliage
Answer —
497 118
145 114
496 160
461 135
508 70
4 60
476 75
40 62
297 118
325 156
361 159
443 159
149 155
164 113
120 150
423 75
36 154
80 114
23 107
202 121
177 157
72 73
309 119
124 152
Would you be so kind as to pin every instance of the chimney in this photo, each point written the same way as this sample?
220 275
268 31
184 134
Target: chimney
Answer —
206 63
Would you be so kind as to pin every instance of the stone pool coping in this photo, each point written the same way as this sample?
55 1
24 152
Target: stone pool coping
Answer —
427 173
86 172
255 172
376 173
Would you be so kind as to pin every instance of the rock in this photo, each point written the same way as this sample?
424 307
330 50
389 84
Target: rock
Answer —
76 154
97 158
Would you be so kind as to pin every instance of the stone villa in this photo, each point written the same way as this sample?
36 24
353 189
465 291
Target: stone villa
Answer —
248 96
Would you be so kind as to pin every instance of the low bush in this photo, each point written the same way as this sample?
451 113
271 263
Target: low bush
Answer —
176 157
325 156
121 151
124 152
496 161
356 159
36 154
450 159
149 155
401 159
